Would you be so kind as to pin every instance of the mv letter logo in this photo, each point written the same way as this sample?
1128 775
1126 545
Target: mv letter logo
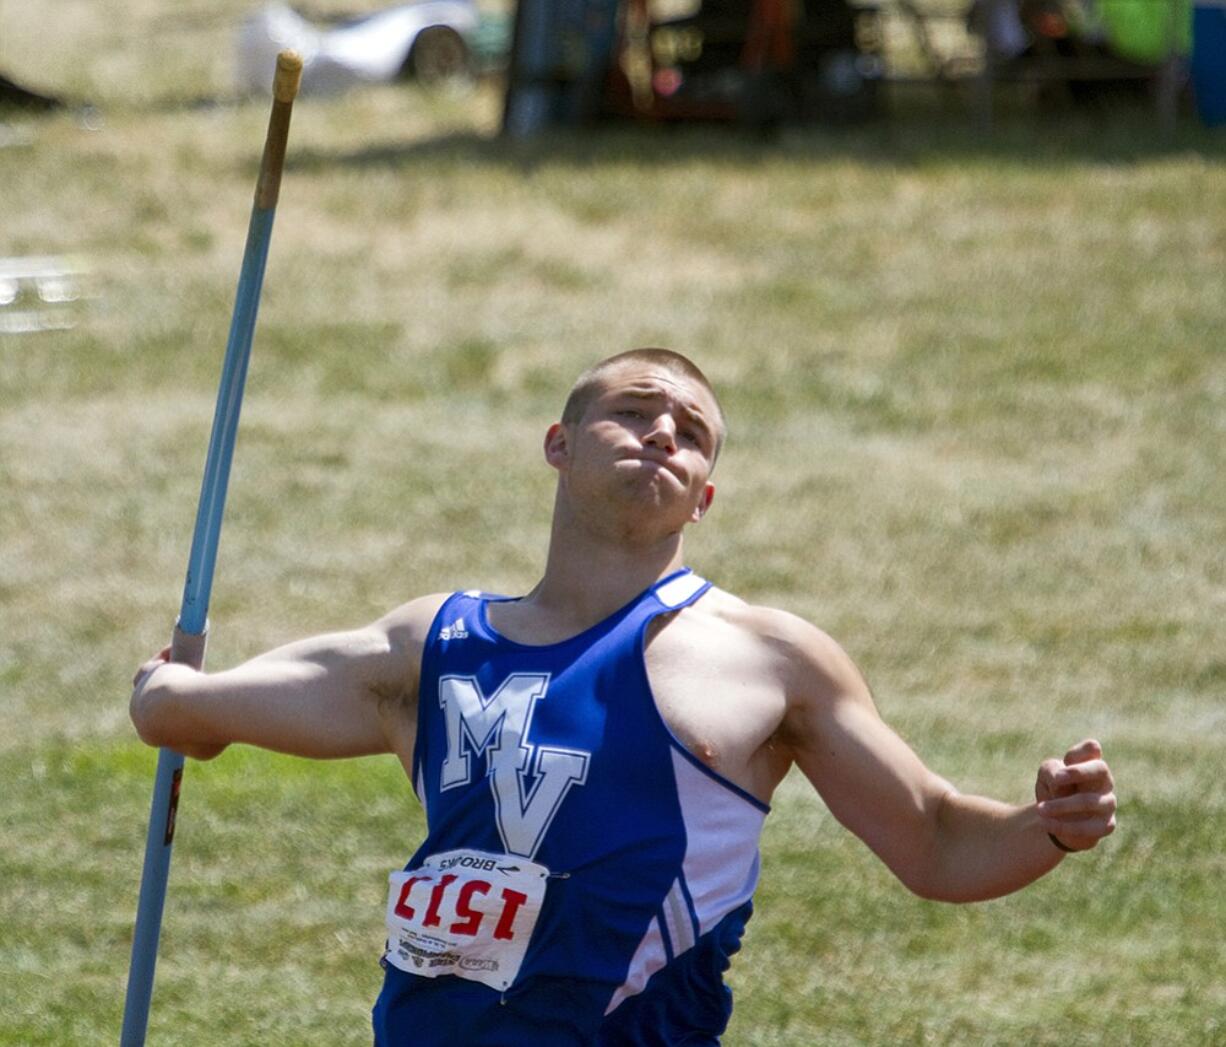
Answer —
529 782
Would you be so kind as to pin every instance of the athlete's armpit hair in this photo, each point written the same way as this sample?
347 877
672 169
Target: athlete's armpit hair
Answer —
587 385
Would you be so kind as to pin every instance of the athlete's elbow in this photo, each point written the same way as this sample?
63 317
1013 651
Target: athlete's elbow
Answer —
950 891
934 869
922 880
941 874
930 867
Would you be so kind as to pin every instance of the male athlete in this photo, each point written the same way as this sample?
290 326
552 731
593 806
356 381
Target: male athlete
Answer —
596 758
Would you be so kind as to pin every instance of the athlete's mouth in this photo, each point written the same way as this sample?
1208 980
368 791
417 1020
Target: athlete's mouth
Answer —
658 463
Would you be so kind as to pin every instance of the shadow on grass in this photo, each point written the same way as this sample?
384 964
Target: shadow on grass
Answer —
927 136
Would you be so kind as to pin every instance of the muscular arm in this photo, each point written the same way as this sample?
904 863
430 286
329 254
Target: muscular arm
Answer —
942 844
341 694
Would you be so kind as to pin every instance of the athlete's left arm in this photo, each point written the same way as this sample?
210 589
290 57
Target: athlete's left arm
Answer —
941 843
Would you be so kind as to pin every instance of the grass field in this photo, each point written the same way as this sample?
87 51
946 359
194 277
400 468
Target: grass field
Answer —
977 393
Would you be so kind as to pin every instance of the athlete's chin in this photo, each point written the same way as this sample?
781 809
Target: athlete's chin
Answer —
656 508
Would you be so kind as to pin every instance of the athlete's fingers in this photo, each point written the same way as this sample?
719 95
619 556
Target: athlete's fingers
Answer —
159 659
1089 749
1048 784
1079 831
1082 777
1079 805
1083 769
1081 808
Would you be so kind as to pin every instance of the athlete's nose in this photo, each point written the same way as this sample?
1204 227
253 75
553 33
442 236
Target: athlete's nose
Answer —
663 433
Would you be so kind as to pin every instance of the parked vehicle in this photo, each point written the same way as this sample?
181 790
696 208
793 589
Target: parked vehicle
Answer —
433 42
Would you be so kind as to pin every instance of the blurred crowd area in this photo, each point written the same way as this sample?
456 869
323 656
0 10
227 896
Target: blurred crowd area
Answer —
652 59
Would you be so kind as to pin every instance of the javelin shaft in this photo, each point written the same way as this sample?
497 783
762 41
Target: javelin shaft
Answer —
197 588
188 643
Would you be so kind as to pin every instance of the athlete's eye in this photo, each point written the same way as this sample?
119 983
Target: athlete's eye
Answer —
629 412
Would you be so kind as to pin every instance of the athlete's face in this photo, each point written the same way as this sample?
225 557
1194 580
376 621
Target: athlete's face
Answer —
647 439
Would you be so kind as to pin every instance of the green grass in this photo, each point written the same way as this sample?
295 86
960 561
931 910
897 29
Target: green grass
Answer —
977 393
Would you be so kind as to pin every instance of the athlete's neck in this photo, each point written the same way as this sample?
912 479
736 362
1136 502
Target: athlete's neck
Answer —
587 577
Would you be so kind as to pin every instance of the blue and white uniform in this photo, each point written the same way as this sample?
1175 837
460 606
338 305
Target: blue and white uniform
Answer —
584 879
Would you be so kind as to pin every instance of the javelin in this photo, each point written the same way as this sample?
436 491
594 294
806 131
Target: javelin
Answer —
189 634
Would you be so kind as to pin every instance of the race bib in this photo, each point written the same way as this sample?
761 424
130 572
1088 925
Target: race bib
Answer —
467 913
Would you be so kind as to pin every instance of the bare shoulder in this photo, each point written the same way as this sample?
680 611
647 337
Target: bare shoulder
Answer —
742 685
812 675
400 635
410 622
800 663
796 648
396 641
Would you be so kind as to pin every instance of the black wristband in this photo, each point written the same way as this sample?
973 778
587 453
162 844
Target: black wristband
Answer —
1066 850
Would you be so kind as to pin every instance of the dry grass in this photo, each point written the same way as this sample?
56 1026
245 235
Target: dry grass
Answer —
977 397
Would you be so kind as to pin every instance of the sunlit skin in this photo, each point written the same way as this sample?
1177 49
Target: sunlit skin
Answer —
632 474
751 691
647 443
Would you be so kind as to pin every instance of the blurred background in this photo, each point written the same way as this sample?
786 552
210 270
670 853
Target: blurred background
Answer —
568 62
960 276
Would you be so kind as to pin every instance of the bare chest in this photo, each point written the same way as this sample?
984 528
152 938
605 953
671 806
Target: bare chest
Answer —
717 694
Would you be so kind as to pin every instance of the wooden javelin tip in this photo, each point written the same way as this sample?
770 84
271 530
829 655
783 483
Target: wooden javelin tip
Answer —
288 76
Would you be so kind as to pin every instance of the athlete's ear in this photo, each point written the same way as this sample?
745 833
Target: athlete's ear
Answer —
557 445
704 503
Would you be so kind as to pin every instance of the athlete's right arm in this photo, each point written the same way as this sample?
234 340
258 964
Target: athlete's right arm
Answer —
349 693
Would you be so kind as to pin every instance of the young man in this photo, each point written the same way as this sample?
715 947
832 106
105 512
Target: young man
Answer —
596 758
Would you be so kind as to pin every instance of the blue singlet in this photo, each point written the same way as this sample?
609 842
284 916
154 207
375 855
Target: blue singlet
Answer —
553 763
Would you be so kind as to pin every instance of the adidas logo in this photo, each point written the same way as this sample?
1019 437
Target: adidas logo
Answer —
454 631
